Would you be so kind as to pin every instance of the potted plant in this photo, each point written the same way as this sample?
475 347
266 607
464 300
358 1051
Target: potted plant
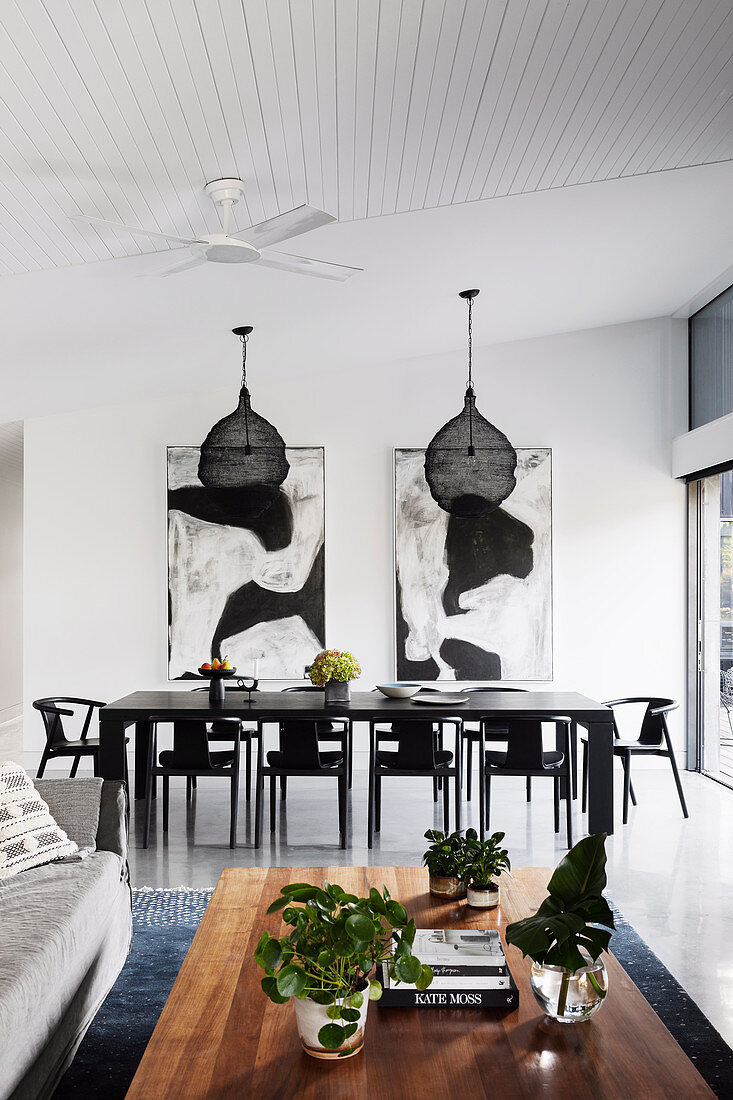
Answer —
444 860
326 960
484 860
567 935
332 669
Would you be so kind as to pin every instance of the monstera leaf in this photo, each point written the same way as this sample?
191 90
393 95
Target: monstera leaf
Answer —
569 919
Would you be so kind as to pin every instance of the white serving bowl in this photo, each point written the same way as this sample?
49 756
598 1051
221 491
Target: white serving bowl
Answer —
399 691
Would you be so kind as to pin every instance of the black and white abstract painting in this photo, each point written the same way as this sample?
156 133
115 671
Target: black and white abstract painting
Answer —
474 596
249 590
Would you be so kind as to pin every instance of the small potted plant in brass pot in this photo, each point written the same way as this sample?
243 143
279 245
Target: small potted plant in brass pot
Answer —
445 861
484 861
332 669
568 934
326 960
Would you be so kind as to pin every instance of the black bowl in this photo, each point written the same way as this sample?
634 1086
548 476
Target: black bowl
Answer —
217 673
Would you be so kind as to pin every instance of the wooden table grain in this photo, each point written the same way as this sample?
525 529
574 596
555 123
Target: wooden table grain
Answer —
219 1036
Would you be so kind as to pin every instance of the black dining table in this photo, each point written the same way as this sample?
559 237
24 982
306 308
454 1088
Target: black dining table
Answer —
365 706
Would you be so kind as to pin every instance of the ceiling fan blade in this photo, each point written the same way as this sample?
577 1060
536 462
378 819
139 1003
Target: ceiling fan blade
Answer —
195 262
300 220
132 229
302 265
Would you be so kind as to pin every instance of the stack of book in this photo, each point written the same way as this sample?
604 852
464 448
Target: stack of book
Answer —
469 971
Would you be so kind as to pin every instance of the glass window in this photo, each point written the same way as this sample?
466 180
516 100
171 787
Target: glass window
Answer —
711 360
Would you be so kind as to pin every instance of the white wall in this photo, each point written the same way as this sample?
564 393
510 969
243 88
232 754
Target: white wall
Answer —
608 401
11 589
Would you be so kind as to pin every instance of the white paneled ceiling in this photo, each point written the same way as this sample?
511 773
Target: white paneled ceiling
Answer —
124 109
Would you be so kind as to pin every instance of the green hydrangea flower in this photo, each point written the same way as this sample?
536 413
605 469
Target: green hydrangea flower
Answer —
334 664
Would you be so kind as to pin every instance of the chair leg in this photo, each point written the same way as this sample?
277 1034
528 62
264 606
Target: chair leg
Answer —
529 788
248 767
283 787
435 788
259 782
676 774
42 766
632 792
350 759
189 788
166 800
272 801
446 804
584 782
487 808
75 767
556 802
627 783
569 813
149 787
469 769
234 793
343 785
195 782
377 803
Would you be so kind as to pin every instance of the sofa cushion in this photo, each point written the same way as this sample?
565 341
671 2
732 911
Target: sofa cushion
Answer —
29 835
55 922
74 804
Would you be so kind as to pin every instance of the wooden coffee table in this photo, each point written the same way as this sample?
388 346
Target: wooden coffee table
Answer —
219 1036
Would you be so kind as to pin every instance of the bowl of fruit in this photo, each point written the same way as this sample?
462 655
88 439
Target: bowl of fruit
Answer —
217 672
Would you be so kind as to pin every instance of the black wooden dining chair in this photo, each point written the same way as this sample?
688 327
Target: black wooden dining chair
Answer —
299 753
653 740
220 729
385 735
417 754
526 756
471 734
329 732
191 756
53 711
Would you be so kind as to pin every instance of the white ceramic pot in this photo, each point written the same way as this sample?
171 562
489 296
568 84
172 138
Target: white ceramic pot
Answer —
311 1017
483 899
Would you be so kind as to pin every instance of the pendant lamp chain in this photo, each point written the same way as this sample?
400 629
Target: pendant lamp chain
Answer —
244 338
471 451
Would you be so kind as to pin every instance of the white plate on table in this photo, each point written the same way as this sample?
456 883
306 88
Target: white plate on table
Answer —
439 699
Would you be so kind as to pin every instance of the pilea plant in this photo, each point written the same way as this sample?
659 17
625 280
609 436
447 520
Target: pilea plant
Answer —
575 918
483 860
446 854
336 939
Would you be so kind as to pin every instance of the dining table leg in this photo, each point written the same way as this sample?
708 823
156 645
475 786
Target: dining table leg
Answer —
600 777
112 749
142 740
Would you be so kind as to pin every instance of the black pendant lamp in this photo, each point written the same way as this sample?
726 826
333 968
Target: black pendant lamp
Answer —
243 461
470 464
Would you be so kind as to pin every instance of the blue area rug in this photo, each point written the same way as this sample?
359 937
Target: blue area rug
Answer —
164 923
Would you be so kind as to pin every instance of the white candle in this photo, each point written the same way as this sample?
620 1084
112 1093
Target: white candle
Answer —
257 668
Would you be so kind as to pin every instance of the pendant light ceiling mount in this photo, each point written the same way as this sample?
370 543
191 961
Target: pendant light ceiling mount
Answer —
243 456
469 464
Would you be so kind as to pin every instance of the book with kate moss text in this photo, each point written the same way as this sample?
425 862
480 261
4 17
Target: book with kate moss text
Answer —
469 971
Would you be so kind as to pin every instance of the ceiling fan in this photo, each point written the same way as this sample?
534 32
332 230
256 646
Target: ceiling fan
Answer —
247 246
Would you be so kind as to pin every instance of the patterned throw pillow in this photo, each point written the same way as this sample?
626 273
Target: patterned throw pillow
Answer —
29 836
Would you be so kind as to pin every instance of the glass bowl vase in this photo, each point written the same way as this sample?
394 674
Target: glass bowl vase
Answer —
566 997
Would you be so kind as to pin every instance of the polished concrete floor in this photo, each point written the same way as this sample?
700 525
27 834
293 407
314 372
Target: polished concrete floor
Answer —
671 878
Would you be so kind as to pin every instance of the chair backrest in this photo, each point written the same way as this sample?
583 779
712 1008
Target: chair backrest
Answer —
470 691
190 742
524 741
415 739
654 722
54 710
299 744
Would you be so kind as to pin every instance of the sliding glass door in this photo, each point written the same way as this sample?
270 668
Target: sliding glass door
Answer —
711 501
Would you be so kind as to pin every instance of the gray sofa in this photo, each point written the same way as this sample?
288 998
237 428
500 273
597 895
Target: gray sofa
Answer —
65 932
